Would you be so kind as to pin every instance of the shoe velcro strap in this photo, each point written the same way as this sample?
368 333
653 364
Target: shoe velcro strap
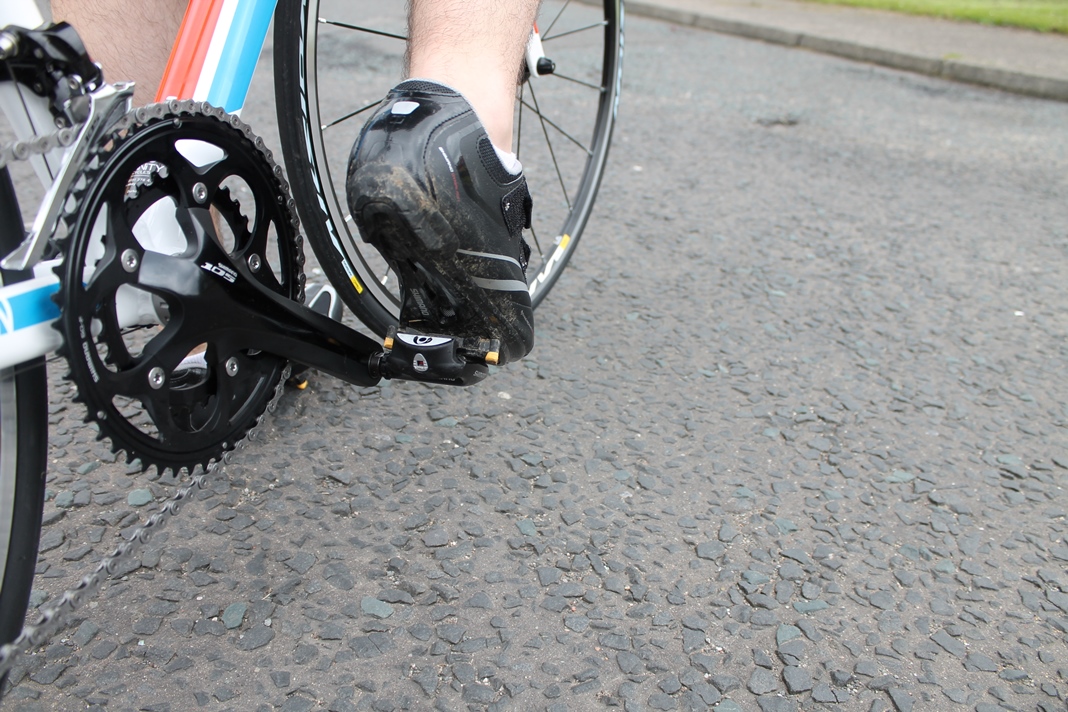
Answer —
516 207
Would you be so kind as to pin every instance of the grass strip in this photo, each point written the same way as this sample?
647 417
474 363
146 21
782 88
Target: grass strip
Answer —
1040 15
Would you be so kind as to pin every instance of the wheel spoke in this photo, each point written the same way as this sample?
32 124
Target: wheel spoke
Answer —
598 87
546 120
549 143
357 28
553 23
594 26
348 116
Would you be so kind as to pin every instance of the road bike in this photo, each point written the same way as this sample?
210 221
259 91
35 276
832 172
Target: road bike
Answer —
165 262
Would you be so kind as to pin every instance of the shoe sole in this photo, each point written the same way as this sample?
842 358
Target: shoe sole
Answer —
420 246
400 222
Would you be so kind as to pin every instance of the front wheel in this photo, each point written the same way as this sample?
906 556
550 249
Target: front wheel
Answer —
336 59
23 443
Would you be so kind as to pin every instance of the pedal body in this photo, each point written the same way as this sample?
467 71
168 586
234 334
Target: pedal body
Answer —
435 358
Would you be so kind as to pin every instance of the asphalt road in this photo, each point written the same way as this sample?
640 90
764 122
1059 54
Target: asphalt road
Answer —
794 434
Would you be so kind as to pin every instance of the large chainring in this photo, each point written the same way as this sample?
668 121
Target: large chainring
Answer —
175 185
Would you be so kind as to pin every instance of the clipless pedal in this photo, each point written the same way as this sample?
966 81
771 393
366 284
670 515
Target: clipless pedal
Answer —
435 358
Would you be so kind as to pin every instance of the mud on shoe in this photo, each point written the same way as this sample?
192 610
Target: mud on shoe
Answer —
426 188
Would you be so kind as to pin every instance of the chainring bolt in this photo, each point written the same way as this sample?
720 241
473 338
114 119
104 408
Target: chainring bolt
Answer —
231 367
254 263
200 192
156 378
130 260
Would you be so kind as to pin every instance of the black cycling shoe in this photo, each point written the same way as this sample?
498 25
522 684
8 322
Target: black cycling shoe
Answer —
427 189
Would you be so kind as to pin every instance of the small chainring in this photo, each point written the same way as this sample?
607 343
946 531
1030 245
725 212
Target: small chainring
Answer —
174 184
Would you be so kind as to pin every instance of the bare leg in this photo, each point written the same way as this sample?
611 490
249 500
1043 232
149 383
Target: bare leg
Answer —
131 39
476 47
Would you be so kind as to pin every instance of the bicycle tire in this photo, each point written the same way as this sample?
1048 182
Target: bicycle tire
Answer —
316 164
23 451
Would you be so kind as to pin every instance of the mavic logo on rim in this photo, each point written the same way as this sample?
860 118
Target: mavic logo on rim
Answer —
550 264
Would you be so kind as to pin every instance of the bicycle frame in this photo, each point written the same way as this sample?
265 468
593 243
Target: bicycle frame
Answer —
26 315
215 54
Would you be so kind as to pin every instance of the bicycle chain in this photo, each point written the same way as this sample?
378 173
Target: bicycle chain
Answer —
55 617
36 146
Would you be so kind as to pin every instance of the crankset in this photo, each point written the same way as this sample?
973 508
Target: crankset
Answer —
179 204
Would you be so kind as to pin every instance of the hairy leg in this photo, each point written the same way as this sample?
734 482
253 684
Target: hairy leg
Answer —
131 39
476 47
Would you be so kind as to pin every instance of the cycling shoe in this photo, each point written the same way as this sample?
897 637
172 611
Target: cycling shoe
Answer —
426 188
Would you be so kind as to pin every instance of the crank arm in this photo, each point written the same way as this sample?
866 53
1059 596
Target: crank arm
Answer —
244 314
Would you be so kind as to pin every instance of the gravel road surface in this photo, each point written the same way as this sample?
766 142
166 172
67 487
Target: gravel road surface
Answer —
793 437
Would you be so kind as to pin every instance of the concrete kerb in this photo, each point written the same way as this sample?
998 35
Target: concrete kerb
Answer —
1006 80
1044 87
774 35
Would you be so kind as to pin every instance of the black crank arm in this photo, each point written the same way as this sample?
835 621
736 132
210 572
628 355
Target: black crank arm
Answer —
236 312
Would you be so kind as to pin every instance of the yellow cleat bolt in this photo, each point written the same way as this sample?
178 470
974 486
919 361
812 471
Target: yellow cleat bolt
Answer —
492 357
388 343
